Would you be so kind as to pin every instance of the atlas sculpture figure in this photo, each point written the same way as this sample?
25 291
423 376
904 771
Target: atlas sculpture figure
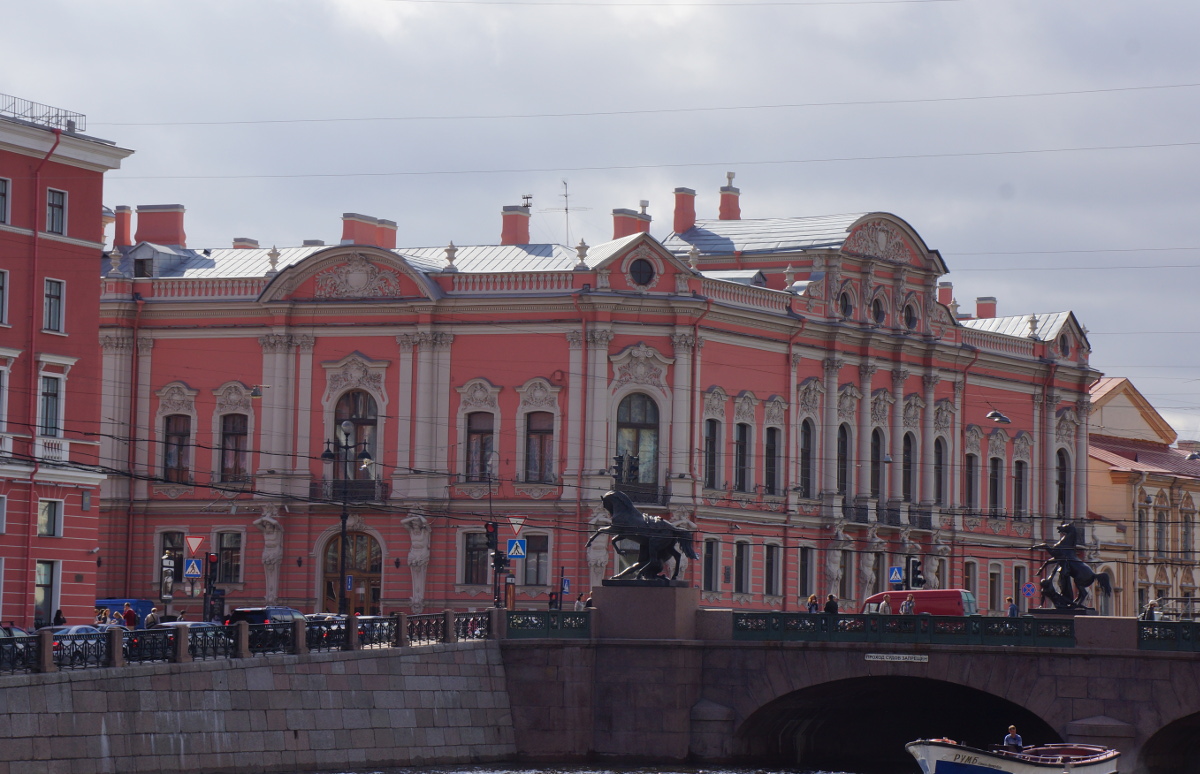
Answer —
1057 585
656 539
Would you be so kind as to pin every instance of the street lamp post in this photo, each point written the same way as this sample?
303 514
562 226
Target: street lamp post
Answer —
343 449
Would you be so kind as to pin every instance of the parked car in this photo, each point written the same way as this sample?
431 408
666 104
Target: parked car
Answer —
13 646
77 645
260 615
930 601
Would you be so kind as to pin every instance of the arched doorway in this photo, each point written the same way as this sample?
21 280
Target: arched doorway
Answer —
364 567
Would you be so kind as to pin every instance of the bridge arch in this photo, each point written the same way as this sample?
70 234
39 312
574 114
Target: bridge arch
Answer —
1173 749
867 721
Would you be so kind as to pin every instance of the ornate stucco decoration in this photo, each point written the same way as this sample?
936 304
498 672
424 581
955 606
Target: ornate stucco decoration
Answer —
913 404
357 278
1064 429
997 443
355 372
644 253
477 490
1021 527
538 395
715 401
943 415
173 491
881 402
773 411
232 398
848 397
1023 446
478 394
176 398
808 395
744 408
642 366
116 343
682 342
534 491
878 239
974 436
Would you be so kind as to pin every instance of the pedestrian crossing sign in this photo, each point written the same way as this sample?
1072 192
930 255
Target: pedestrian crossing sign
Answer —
516 548
896 574
191 568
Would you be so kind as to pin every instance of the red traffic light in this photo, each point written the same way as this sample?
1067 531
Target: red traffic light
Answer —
492 530
213 558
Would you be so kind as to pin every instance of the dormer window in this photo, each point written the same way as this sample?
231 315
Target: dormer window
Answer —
845 305
878 313
143 267
910 317
1064 345
641 271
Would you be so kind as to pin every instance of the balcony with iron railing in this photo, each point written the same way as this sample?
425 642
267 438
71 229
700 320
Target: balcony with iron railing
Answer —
43 115
367 490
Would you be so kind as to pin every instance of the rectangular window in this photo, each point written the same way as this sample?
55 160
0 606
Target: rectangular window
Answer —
969 576
52 308
3 515
3 298
711 557
50 425
806 459
479 445
45 595
1020 474
995 481
50 520
539 447
741 568
234 430
939 472
846 586
1143 532
177 434
229 557
995 592
537 560
1161 520
771 462
5 189
805 572
741 457
712 441
971 482
1018 582
475 558
56 211
771 571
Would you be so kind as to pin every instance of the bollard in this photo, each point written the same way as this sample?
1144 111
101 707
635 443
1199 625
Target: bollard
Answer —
401 630
241 639
299 637
46 651
451 635
352 631
116 647
182 654
499 622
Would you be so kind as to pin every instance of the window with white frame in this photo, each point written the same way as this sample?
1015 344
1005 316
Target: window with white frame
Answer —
474 558
177 438
939 472
50 518
480 439
995 588
995 486
807 450
712 446
908 468
1062 483
56 211
50 407
539 447
45 592
5 197
3 514
771 458
1020 487
772 570
805 571
536 570
235 464
3 297
711 559
54 294
741 457
971 482
741 568
229 557
970 572
843 459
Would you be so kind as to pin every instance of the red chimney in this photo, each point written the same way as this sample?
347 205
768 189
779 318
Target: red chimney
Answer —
123 233
985 307
358 229
730 208
625 222
385 234
685 209
515 229
945 293
244 243
161 224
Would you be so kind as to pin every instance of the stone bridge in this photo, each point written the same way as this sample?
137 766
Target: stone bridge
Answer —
817 704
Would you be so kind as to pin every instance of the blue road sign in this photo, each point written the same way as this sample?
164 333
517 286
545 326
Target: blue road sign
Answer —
516 548
349 583
1028 589
191 568
566 589
896 574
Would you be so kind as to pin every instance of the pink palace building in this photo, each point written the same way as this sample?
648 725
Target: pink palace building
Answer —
800 392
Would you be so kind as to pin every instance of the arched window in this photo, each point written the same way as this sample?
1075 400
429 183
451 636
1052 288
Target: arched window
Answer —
637 436
771 462
1062 483
177 436
939 472
806 458
843 459
907 468
359 409
712 450
876 462
741 457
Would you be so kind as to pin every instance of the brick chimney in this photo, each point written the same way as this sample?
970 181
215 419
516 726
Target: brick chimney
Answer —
985 307
685 209
945 293
730 208
123 233
359 229
385 234
244 243
160 223
515 228
625 222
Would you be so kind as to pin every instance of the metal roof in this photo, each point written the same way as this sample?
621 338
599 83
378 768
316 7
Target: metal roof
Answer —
1049 326
740 276
763 235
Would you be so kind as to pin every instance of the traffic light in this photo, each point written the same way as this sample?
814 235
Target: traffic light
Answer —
913 576
499 560
631 471
492 530
619 468
213 560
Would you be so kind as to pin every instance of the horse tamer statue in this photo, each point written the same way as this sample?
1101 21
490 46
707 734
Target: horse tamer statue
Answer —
1057 585
657 539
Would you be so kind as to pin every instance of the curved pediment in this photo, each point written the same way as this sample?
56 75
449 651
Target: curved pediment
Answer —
350 272
888 238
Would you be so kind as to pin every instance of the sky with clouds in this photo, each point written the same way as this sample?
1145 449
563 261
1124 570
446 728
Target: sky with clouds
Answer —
1048 148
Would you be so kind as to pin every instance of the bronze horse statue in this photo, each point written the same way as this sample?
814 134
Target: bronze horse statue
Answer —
1057 586
657 539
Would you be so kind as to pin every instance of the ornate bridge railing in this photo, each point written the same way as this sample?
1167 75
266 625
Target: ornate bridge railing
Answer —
18 654
1169 635
209 642
557 624
937 630
79 651
426 629
146 645
325 636
473 626
377 633
271 638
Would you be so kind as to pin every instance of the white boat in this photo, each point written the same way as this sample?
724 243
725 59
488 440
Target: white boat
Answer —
945 756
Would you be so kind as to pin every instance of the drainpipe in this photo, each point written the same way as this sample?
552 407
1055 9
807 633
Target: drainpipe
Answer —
133 391
582 557
30 508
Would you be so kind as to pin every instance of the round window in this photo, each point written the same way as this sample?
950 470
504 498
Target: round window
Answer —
877 311
642 271
910 317
845 305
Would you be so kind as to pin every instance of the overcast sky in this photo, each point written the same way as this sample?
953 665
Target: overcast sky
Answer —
1048 148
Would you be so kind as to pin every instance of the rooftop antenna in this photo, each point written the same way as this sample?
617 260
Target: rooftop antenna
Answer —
566 210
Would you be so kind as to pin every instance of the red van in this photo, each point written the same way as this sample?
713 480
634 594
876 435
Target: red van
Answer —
931 601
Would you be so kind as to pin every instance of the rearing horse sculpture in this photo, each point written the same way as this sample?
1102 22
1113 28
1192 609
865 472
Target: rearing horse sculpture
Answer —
1057 586
656 539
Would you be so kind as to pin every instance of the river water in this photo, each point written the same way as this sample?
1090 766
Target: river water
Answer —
670 769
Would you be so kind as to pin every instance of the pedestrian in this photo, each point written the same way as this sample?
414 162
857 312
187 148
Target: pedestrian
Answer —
1013 741
59 618
831 605
1013 611
130 616
152 618
906 607
885 607
182 615
1151 612
579 602
814 606
116 619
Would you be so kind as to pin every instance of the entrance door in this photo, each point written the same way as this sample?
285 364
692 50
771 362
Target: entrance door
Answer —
364 568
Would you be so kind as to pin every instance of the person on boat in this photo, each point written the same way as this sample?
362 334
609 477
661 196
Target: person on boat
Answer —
1013 741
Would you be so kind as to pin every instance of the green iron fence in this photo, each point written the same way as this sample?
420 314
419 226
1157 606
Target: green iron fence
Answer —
937 630
556 624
